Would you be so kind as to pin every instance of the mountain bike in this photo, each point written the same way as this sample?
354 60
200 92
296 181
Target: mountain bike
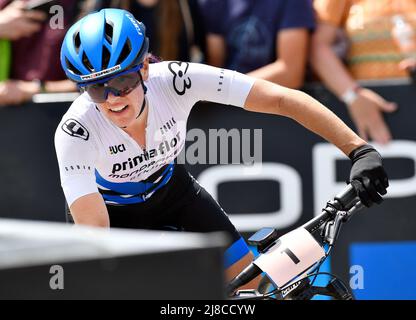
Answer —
292 262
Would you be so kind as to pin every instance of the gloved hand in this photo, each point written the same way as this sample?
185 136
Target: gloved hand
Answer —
368 176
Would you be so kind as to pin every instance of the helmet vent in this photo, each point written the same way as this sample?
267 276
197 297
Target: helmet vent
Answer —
125 52
87 62
106 57
71 67
108 32
77 42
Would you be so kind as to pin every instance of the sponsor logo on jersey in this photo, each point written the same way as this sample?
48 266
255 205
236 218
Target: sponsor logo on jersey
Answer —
164 148
102 73
181 82
116 149
75 129
221 81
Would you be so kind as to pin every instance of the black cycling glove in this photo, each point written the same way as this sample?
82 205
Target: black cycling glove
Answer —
368 176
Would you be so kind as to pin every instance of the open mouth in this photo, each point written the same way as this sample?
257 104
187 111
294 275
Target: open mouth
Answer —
119 110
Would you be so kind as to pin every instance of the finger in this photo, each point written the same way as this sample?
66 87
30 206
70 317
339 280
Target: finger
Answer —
407 64
389 107
17 4
35 15
384 178
361 193
379 187
371 191
386 182
379 130
27 27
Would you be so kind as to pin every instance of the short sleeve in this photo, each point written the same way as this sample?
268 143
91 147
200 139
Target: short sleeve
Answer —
193 82
297 14
76 155
332 12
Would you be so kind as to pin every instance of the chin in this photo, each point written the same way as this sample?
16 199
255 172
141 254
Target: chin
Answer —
122 120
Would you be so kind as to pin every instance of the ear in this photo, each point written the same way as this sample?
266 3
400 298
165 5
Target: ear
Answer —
145 70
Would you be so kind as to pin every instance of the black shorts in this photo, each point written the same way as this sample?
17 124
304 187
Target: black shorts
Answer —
184 205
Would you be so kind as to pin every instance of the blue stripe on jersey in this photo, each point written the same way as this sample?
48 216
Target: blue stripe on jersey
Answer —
128 187
235 252
131 188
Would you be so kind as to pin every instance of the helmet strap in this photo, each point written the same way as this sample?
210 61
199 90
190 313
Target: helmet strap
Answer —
142 108
144 97
141 80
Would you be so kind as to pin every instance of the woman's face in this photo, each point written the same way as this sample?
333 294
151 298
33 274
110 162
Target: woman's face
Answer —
122 111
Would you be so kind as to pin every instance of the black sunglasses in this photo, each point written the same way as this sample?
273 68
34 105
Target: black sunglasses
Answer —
120 85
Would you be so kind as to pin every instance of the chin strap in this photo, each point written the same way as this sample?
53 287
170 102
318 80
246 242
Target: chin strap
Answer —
143 85
144 98
142 108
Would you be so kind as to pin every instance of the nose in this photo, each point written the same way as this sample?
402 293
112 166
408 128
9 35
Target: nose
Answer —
112 98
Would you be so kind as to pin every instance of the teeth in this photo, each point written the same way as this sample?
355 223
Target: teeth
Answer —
118 109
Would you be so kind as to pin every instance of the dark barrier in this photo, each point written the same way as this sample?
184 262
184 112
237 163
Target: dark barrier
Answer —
299 173
30 187
56 261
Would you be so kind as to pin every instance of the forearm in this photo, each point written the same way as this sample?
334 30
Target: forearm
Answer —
216 50
267 97
331 69
317 118
3 33
60 86
279 72
4 30
90 210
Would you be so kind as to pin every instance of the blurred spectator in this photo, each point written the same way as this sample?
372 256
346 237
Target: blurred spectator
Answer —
35 51
267 39
172 25
372 54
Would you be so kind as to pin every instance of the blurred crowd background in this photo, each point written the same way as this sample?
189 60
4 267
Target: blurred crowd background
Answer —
290 42
360 53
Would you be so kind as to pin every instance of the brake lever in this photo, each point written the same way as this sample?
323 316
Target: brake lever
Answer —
333 228
357 207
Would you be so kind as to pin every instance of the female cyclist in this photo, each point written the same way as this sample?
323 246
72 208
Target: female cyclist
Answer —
117 143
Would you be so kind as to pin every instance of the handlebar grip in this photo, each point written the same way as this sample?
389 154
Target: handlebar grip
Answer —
347 198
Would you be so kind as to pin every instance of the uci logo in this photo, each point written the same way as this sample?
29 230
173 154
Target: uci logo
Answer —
116 149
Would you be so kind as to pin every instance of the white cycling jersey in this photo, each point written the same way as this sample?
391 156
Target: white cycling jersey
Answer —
94 155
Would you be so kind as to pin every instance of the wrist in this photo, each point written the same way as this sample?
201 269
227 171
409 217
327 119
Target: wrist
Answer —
350 95
40 85
361 150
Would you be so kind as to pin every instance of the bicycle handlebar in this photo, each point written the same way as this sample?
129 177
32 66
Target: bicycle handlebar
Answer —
336 212
346 201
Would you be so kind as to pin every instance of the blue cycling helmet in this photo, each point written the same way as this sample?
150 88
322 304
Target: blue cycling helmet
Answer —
102 44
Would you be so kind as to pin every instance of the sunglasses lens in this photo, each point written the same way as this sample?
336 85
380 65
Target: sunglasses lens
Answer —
97 92
119 86
125 82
